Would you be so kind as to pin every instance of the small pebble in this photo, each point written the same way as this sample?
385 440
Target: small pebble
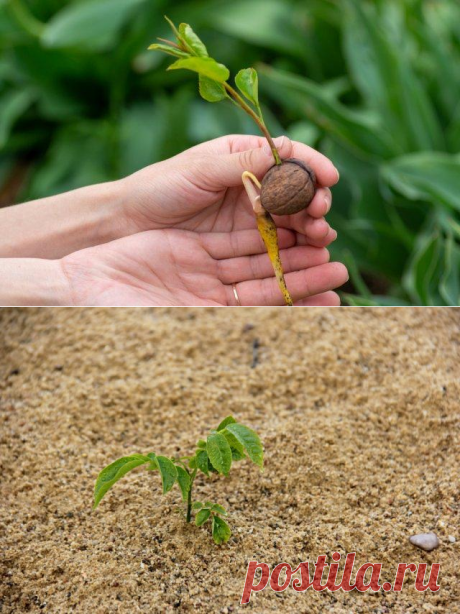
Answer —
451 539
425 541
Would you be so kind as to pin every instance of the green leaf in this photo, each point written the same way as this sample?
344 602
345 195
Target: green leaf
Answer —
431 176
304 131
140 147
359 132
237 455
183 479
168 49
235 446
370 223
450 281
197 505
173 28
202 517
193 43
375 62
422 277
376 301
247 82
168 472
78 155
355 275
271 24
211 90
153 464
218 509
12 105
219 452
93 24
201 444
220 530
225 421
113 472
204 66
202 461
437 47
233 441
249 440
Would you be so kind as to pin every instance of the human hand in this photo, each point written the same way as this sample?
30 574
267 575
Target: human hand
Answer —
180 267
201 190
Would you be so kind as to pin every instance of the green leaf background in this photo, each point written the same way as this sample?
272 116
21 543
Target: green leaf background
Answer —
374 85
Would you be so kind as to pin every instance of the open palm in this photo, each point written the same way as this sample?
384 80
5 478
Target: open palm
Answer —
180 267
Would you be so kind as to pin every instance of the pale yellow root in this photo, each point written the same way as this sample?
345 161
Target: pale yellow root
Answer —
268 232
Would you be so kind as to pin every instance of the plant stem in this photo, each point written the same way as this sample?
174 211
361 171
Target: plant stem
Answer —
189 505
259 121
164 40
189 497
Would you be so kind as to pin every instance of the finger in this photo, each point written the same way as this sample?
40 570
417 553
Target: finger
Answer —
217 172
301 284
302 239
326 173
225 170
296 258
317 209
326 299
222 245
321 203
312 228
228 144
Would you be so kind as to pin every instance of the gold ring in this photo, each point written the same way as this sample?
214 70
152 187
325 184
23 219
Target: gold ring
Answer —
235 294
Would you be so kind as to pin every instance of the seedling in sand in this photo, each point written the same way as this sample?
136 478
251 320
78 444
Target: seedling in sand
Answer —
289 186
229 443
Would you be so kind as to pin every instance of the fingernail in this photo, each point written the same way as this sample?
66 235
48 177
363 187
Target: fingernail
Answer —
328 201
279 142
338 175
334 235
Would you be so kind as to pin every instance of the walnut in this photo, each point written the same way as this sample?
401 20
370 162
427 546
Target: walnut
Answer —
288 187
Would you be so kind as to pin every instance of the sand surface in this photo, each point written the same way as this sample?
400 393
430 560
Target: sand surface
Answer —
358 410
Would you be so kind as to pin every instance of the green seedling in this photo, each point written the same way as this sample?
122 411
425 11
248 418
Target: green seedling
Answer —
289 186
229 443
191 54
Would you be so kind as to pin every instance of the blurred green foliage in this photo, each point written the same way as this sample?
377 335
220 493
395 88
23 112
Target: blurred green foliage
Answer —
374 85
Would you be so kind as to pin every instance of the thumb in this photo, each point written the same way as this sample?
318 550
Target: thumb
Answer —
227 169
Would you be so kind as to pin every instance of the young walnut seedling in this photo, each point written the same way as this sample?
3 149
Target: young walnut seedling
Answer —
230 442
290 185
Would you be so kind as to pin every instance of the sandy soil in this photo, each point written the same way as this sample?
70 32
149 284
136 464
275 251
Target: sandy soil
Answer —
358 410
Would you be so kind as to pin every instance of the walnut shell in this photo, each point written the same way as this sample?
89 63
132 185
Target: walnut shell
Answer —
288 187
